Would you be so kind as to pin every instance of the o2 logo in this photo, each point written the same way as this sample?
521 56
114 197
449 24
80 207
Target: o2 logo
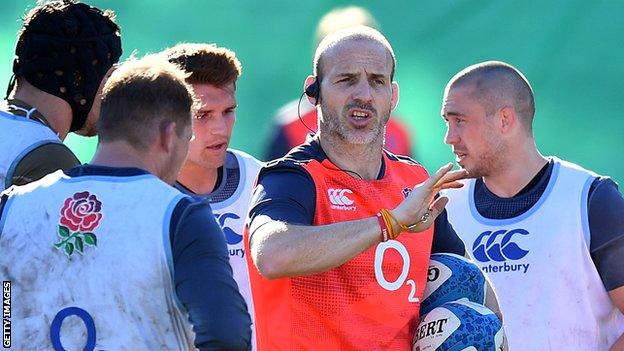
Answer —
402 279
498 246
231 236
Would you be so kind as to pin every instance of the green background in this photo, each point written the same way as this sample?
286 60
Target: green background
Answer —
571 52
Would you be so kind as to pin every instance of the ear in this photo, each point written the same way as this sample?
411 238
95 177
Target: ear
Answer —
395 95
309 81
167 136
508 119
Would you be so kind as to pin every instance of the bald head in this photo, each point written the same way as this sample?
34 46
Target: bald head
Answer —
496 84
350 35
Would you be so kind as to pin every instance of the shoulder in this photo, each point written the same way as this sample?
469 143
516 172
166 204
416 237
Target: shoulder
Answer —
405 164
43 183
296 159
39 158
245 158
192 212
605 200
402 159
50 154
574 168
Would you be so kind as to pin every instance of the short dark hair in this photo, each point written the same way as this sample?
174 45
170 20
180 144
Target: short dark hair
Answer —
140 96
206 63
65 49
352 33
495 84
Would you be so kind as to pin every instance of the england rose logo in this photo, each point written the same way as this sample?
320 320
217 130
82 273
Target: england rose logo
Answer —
80 215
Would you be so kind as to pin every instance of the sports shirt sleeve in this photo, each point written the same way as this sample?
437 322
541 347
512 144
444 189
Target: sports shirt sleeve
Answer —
285 194
203 279
445 239
43 160
606 226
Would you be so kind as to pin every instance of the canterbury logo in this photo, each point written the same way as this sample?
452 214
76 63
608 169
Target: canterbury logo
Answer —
498 246
339 197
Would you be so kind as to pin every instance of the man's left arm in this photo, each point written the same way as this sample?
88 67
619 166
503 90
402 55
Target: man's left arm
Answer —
203 280
606 227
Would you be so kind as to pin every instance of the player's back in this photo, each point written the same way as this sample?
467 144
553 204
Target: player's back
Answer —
89 259
18 135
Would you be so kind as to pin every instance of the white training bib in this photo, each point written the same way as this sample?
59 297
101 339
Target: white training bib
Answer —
231 214
549 290
96 271
19 136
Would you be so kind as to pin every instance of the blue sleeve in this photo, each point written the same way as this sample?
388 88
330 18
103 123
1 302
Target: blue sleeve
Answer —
285 194
606 227
203 279
445 239
279 145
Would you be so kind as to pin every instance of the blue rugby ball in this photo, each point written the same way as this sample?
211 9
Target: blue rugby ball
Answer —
452 277
459 326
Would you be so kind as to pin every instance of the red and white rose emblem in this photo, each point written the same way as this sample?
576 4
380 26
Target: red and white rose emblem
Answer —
80 215
81 212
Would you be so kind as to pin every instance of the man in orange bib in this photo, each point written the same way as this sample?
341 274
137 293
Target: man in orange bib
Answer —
332 265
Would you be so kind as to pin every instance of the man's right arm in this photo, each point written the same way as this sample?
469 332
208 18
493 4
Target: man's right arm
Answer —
41 161
283 242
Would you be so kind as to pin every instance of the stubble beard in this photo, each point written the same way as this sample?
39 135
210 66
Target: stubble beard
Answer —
333 125
491 161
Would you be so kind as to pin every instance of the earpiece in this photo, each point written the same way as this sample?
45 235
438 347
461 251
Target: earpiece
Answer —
314 90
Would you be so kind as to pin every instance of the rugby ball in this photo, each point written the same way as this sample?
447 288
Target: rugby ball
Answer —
459 326
452 277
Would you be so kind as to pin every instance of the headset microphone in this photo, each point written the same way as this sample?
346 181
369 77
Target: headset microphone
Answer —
314 90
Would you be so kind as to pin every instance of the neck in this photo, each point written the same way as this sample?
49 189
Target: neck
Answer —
121 154
517 171
55 110
363 159
198 179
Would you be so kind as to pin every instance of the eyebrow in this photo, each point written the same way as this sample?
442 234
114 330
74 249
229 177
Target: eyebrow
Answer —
370 75
205 110
346 75
450 114
377 75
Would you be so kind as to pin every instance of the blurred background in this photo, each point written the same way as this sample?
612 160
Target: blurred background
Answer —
571 51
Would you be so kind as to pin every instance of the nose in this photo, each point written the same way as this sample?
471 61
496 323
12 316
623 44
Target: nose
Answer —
363 91
219 127
451 137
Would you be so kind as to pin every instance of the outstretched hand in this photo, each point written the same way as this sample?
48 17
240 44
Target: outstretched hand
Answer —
420 209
